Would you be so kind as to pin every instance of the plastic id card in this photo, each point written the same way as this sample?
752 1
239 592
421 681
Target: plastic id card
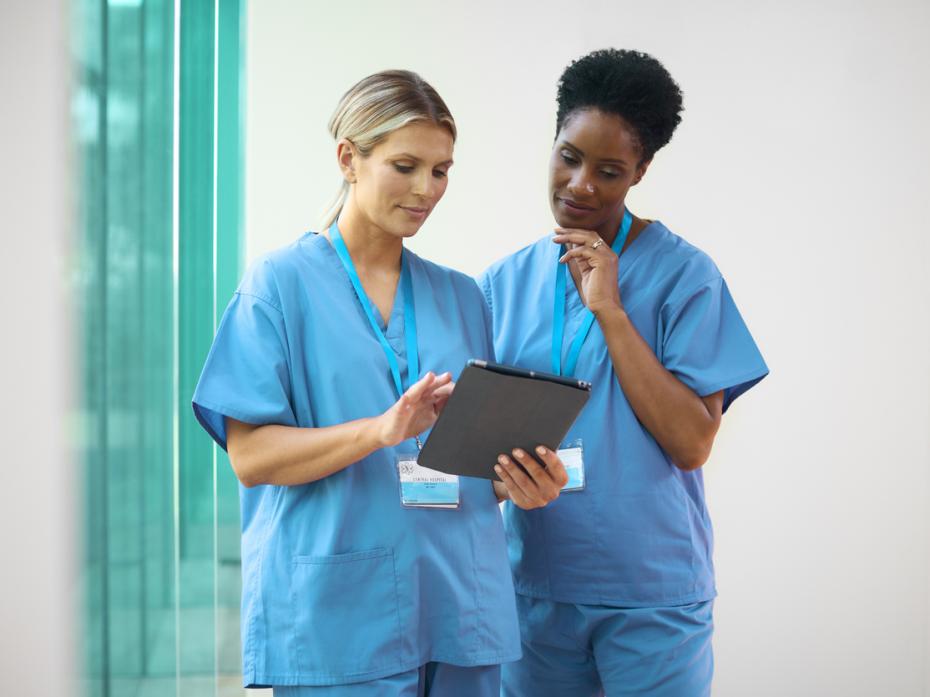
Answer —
421 487
572 456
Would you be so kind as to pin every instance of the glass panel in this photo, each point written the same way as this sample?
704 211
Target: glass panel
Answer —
161 560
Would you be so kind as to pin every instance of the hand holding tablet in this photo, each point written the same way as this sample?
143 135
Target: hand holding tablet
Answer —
502 410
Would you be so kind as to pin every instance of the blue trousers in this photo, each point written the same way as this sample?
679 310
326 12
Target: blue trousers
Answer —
430 680
584 650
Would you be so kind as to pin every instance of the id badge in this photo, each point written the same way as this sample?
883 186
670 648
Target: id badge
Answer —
572 456
421 487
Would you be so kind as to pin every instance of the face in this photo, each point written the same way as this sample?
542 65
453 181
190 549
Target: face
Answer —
595 161
402 179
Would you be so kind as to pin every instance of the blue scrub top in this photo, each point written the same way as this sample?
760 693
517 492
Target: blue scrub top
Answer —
639 534
340 583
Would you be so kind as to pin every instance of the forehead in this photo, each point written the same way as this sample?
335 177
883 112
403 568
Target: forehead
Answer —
423 139
600 135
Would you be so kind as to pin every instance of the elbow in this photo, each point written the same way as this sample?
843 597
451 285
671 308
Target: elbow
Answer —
694 457
691 463
245 472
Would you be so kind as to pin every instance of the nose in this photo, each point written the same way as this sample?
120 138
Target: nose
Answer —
422 184
580 183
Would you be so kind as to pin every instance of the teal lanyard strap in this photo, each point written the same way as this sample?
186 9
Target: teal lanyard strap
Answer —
410 320
558 307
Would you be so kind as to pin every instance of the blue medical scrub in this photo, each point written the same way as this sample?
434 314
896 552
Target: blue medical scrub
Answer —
341 583
639 534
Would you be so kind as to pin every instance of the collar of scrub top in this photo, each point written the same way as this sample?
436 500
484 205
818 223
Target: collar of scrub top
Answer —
558 307
410 319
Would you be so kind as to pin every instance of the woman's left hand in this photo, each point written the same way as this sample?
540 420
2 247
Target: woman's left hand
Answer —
534 485
597 265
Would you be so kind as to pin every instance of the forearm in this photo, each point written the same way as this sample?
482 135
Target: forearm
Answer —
677 418
288 456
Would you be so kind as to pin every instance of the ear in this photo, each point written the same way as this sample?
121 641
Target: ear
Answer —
641 171
346 156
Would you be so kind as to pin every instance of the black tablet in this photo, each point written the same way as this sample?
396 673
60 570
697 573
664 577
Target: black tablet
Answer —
496 408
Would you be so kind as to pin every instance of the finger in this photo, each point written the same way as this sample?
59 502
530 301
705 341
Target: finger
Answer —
419 388
577 237
545 484
444 390
524 483
573 231
437 392
514 492
585 253
555 468
441 396
441 380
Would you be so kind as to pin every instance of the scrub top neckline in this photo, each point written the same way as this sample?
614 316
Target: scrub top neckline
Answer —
394 328
627 258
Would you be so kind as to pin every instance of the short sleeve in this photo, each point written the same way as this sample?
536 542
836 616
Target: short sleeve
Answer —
484 283
487 312
246 375
707 346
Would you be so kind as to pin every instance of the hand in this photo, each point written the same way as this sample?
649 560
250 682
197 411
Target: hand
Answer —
416 410
535 487
597 267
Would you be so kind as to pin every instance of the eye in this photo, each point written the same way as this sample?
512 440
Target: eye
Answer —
403 169
440 173
568 158
610 173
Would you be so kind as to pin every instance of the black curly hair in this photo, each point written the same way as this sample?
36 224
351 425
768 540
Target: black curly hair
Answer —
631 84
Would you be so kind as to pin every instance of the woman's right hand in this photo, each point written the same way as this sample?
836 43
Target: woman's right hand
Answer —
416 410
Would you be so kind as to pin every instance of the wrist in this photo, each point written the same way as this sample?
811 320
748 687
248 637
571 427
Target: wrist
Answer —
377 434
610 314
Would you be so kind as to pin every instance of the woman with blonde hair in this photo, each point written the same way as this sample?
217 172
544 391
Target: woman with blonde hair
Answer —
363 574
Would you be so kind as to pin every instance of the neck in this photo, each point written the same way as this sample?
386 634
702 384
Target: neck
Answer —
371 247
608 231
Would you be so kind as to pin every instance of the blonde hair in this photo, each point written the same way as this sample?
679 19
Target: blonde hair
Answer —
375 107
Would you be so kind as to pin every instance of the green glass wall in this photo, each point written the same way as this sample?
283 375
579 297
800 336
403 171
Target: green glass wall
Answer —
157 124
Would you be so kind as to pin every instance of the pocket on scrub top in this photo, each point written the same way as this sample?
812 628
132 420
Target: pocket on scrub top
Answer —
347 620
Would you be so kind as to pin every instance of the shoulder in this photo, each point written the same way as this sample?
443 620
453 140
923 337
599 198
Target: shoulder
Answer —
269 275
443 277
685 267
518 262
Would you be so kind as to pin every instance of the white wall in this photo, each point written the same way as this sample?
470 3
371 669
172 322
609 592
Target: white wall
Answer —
38 589
802 168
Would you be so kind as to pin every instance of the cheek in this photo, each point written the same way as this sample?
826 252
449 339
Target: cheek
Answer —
440 188
392 185
557 176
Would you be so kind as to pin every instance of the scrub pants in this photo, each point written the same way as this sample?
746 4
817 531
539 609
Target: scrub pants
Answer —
430 680
585 650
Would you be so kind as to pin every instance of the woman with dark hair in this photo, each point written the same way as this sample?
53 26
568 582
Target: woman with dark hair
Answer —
615 579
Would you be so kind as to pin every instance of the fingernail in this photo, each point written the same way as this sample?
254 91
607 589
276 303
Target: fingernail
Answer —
502 459
497 469
518 453
541 450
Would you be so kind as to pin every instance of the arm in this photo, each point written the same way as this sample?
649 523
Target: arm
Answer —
683 424
288 455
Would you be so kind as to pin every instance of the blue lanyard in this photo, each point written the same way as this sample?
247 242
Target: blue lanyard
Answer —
558 308
410 319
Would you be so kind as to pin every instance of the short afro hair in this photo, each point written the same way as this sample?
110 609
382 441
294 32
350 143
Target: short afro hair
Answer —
631 84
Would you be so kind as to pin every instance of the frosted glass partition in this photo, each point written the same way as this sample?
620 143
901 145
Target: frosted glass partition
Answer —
156 114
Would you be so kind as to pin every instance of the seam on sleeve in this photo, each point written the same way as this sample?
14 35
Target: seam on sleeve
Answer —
266 301
675 306
485 286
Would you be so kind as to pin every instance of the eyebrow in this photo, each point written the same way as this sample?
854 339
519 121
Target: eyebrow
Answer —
407 155
608 160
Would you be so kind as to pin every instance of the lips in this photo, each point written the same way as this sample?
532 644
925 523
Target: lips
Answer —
573 205
415 210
